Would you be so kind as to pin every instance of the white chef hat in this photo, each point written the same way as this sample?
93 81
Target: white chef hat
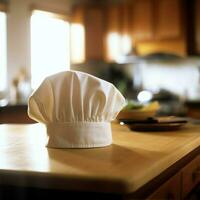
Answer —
77 109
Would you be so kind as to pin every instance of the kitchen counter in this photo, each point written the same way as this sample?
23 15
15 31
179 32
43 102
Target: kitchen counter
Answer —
135 164
16 114
193 108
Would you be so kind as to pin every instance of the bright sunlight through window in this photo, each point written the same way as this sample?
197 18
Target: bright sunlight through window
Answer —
113 41
118 45
77 43
49 46
3 55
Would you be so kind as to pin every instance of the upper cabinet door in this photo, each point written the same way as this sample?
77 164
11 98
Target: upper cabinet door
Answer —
197 26
143 20
88 45
94 33
113 19
168 19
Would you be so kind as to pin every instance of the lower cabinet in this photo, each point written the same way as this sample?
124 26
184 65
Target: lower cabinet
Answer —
190 176
169 190
181 184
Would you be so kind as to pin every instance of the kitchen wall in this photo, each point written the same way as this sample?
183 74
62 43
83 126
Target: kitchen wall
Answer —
18 24
18 29
180 76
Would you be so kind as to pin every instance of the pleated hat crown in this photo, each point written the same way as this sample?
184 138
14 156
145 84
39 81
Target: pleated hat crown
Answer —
77 109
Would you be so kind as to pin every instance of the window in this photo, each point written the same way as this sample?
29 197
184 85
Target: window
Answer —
50 48
118 45
3 50
77 43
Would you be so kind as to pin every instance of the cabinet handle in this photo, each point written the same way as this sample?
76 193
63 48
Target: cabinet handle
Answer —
169 196
196 174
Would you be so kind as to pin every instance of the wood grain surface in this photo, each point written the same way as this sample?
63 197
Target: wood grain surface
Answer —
131 161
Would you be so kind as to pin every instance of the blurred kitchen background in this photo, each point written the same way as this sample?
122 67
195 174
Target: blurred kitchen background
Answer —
149 49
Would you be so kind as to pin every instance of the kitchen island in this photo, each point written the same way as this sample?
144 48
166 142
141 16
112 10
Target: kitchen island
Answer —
136 166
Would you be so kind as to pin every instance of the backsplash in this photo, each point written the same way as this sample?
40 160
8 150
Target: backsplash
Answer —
179 76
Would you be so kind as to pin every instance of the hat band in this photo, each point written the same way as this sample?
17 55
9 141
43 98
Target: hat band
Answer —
79 134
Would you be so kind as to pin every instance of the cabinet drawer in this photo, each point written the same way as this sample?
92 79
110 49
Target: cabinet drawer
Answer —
190 176
169 190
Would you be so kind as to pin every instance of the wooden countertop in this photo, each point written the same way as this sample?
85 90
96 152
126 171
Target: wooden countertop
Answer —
130 162
14 114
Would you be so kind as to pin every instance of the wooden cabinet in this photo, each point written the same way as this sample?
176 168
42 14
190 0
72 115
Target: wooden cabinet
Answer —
193 31
181 184
190 176
113 30
197 26
151 26
113 19
169 190
156 19
94 33
143 20
168 20
158 26
91 18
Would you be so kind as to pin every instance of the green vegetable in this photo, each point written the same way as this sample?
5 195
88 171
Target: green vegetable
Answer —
131 104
